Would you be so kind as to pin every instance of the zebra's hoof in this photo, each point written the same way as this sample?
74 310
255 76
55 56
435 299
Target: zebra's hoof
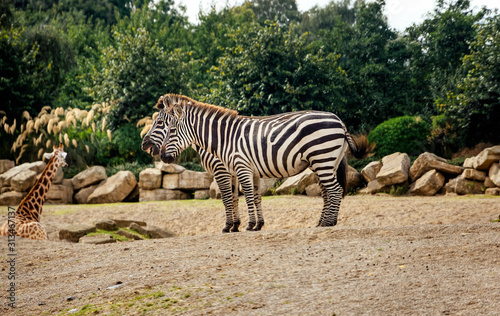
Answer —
251 227
225 230
235 230
258 226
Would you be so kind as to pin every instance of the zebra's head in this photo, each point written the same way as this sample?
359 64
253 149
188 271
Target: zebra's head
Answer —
158 133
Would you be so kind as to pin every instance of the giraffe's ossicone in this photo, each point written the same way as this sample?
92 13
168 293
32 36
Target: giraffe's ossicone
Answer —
27 216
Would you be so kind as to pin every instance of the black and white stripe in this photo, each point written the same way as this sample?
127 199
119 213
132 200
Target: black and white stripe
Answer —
276 146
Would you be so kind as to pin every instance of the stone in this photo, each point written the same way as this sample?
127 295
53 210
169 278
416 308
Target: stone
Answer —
373 187
106 224
169 167
313 190
59 194
187 180
162 195
7 176
428 184
473 174
370 171
214 190
461 186
12 198
92 175
97 239
394 169
128 234
300 182
492 191
59 177
82 196
494 174
24 180
485 158
37 166
133 196
6 164
114 189
428 161
150 178
354 178
6 189
202 194
268 186
74 232
469 162
488 183
127 222
152 232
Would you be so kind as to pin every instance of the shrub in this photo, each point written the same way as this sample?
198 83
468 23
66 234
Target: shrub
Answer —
406 134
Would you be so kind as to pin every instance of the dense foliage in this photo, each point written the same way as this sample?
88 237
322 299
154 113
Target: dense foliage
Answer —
261 57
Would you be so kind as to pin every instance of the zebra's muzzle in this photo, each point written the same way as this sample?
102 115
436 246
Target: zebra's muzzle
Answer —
166 158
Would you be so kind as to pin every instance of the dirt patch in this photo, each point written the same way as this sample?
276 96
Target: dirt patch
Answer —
387 255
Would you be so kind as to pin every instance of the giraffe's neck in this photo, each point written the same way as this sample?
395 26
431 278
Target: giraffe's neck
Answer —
30 208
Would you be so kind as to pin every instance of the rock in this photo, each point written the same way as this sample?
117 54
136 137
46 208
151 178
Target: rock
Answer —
492 191
394 169
300 182
8 189
354 178
37 166
473 174
371 170
114 189
214 190
82 196
127 223
24 180
488 183
187 180
106 224
152 232
373 187
97 239
128 234
74 232
162 195
12 198
428 184
7 176
59 194
59 177
494 174
313 190
133 196
485 158
268 186
428 161
92 175
462 186
469 162
6 164
202 194
169 167
150 178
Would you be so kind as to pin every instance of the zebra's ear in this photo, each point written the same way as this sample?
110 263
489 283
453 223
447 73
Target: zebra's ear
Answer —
177 111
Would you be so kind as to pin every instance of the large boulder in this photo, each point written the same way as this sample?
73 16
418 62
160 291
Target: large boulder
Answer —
169 167
81 197
7 176
59 194
428 161
89 177
214 190
268 186
24 180
494 174
462 186
372 187
114 189
371 170
187 180
5 165
162 195
354 178
487 157
313 190
492 191
59 177
298 183
12 198
201 194
428 184
150 178
488 183
473 174
394 169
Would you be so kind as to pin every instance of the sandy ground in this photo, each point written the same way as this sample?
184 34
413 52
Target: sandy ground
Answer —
387 256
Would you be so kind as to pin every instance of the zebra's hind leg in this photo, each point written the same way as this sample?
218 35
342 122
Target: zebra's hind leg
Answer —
235 199
326 205
334 192
258 203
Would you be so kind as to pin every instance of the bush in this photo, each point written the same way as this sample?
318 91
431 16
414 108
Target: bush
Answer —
407 134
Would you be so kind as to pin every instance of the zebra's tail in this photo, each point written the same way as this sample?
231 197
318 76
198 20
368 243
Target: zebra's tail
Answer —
359 145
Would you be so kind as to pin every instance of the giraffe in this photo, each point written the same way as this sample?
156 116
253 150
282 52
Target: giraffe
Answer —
27 216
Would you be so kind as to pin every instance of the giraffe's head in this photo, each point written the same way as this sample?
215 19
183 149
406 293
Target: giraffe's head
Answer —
59 156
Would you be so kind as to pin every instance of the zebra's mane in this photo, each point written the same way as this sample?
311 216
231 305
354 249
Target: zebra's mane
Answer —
169 100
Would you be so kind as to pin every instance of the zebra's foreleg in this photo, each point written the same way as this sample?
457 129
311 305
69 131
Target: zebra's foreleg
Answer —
258 203
224 181
235 198
245 177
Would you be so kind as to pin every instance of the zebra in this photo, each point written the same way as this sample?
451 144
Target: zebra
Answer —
282 145
227 183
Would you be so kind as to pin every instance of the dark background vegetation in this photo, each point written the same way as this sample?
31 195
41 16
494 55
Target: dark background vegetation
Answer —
435 86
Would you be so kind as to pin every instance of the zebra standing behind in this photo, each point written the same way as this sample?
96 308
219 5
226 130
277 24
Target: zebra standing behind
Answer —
270 147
